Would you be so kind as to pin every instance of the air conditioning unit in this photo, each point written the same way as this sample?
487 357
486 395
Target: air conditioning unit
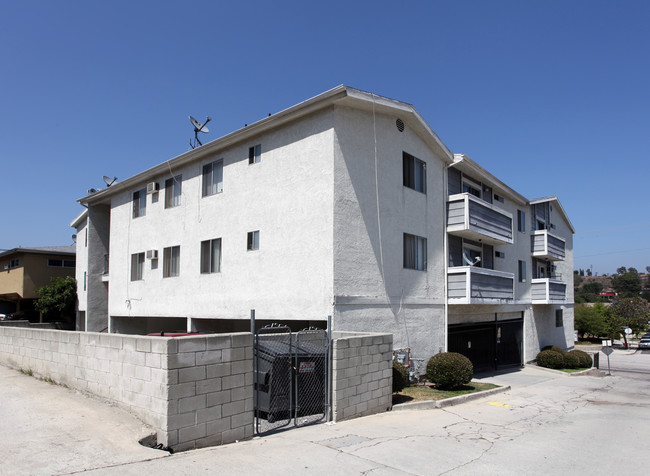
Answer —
152 187
152 254
6 266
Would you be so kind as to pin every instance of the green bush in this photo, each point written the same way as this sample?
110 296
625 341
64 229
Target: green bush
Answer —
554 348
449 370
583 357
550 359
571 361
400 377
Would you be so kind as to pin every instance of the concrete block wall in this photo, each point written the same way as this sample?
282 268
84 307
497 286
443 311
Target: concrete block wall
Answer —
195 391
362 374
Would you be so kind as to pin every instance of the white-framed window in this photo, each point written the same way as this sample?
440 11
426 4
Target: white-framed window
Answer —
499 254
522 271
414 172
415 252
213 178
472 187
140 203
253 240
173 190
255 154
521 221
211 256
137 266
171 261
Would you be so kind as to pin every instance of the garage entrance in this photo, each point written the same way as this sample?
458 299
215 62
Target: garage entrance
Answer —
489 345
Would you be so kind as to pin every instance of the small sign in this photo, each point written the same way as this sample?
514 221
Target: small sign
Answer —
607 350
628 331
307 367
607 343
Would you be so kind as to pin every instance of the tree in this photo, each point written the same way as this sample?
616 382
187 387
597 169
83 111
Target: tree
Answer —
591 320
58 300
628 312
627 284
621 270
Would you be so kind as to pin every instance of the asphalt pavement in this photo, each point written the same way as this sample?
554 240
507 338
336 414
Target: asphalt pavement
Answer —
547 422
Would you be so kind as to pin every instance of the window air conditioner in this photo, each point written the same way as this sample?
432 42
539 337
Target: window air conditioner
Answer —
152 187
152 254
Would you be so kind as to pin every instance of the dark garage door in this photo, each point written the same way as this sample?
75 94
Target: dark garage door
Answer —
489 345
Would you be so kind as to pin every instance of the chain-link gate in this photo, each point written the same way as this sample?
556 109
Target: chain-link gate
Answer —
291 374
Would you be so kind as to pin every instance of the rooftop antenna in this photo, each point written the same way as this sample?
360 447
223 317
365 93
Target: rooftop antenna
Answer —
198 127
109 181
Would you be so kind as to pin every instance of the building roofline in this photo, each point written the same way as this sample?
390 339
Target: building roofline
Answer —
341 94
43 250
558 205
81 217
465 163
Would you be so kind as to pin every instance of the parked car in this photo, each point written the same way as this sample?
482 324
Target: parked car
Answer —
2 317
644 343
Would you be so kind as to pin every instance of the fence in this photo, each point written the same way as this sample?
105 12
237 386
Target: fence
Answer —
195 391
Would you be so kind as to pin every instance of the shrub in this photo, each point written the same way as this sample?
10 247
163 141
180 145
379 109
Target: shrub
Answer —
571 361
583 357
550 359
450 370
554 348
400 377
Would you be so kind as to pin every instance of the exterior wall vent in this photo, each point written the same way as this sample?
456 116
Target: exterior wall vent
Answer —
400 125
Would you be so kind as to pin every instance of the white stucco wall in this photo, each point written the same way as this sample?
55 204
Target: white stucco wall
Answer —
81 267
287 196
372 211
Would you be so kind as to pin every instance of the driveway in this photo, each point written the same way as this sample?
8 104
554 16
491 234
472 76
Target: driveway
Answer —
548 422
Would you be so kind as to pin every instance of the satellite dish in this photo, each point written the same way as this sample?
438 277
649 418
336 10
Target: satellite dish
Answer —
109 181
198 127
92 190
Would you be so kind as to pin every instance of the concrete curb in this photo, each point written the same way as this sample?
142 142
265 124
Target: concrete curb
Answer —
448 402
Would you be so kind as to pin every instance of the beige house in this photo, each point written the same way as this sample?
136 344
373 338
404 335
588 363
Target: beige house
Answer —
24 270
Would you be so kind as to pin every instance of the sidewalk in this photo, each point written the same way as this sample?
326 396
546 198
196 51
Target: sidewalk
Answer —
52 430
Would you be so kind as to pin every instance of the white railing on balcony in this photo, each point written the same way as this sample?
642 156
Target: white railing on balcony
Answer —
472 285
475 219
548 246
548 291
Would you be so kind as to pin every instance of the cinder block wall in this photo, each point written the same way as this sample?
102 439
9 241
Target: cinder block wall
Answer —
195 391
362 374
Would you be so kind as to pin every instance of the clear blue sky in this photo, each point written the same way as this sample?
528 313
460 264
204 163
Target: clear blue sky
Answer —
550 96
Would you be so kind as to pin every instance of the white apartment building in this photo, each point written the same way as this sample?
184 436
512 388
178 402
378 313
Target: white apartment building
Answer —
347 204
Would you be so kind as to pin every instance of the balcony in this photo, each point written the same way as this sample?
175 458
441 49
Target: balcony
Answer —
547 246
472 285
548 291
474 219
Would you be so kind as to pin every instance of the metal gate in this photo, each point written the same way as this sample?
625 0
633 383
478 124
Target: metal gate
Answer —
290 378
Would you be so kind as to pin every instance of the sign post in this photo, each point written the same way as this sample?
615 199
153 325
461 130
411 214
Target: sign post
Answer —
607 350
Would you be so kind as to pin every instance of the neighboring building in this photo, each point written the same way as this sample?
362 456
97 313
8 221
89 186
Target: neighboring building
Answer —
24 270
347 204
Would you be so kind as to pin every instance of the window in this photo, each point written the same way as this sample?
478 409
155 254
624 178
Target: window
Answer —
211 256
85 279
521 221
14 263
559 318
522 271
140 203
499 254
173 190
253 242
415 173
471 187
61 263
137 266
255 154
415 252
498 198
171 261
213 178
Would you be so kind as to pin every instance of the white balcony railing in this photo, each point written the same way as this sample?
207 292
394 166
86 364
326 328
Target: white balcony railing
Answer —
472 285
548 291
475 219
547 246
